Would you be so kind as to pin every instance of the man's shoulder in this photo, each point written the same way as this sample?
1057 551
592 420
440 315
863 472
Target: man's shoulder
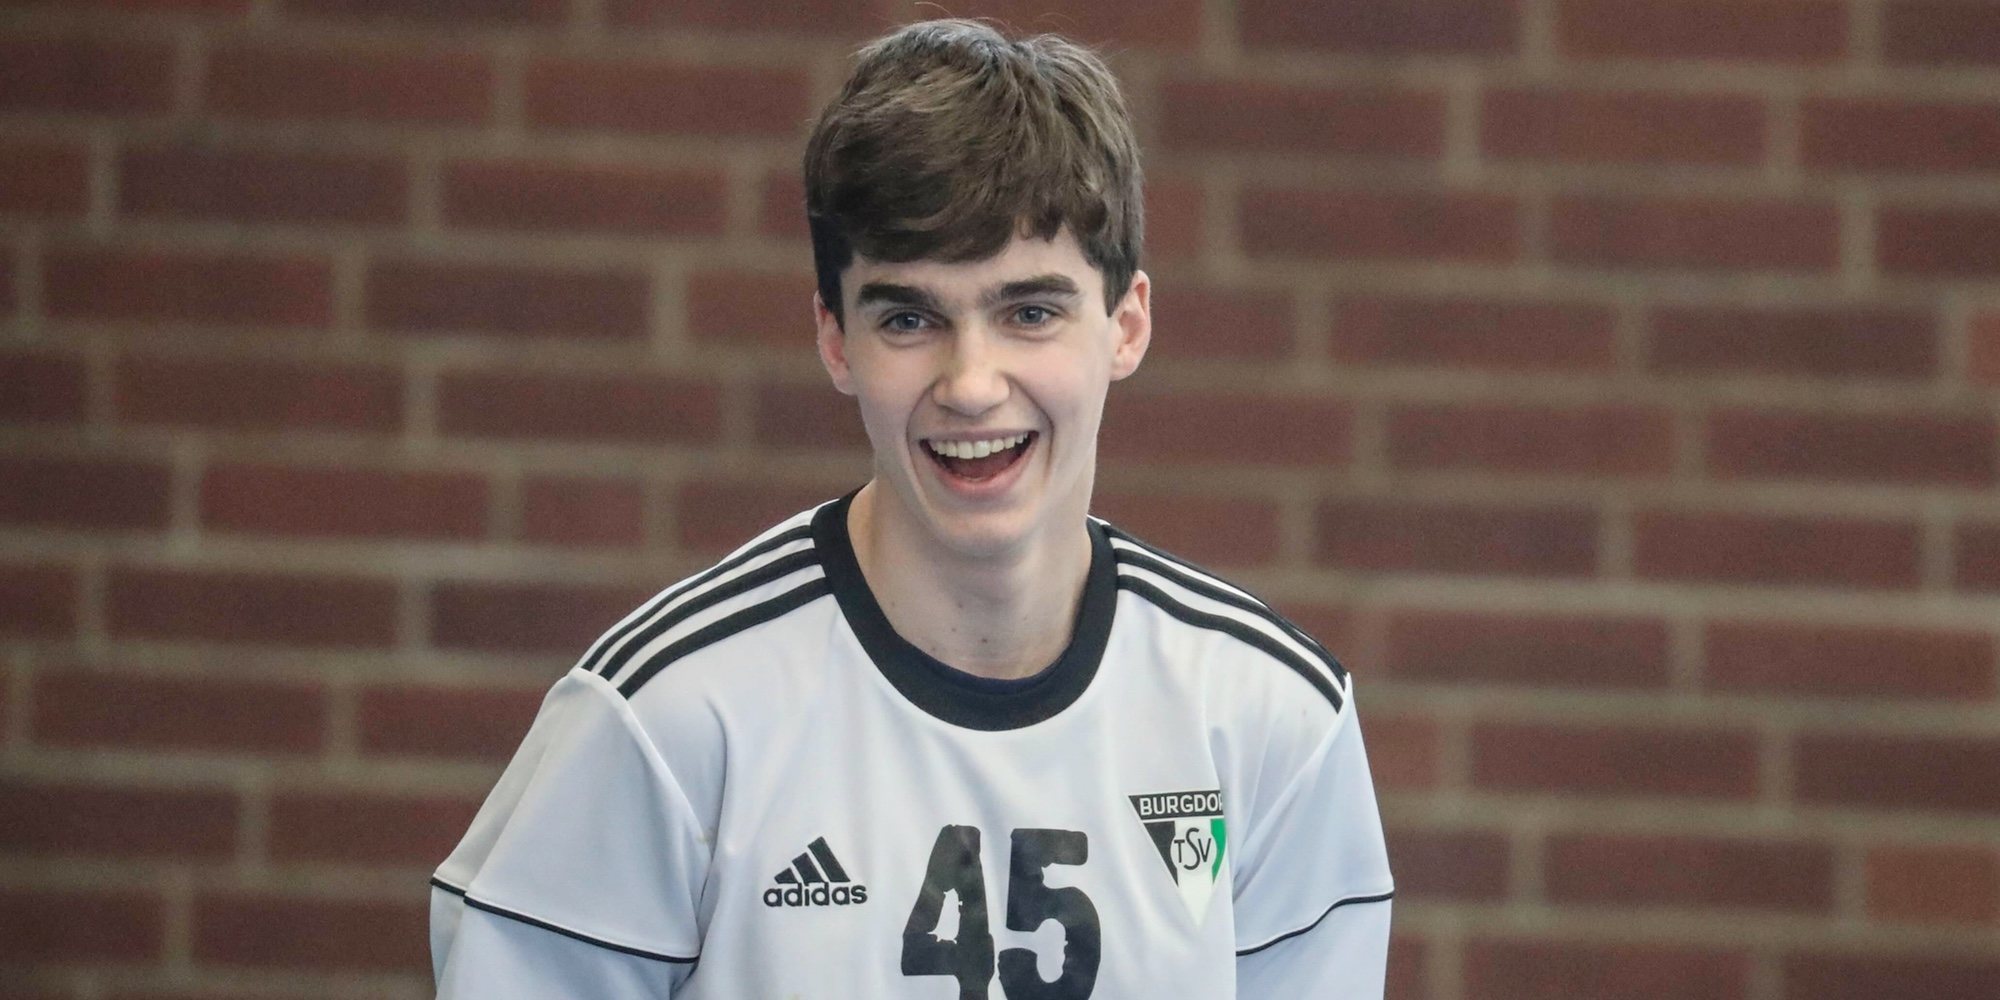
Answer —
1198 609
754 589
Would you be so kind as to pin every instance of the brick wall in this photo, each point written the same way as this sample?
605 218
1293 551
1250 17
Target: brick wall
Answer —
1613 383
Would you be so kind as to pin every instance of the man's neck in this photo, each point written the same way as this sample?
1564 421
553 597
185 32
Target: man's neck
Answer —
992 617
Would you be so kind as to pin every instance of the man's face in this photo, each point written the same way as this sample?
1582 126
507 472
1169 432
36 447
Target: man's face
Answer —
982 385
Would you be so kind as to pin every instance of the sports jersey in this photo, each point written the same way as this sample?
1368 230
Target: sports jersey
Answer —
753 787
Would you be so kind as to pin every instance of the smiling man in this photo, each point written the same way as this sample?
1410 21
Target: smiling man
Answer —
947 736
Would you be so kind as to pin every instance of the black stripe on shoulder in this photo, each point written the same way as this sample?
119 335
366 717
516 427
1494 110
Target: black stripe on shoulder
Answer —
1236 629
742 583
1180 573
611 639
723 628
478 904
1384 897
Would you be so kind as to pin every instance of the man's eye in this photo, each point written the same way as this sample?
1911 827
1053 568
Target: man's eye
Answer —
903 322
1033 315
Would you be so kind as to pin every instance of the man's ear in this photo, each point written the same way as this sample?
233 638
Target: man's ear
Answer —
832 345
1132 324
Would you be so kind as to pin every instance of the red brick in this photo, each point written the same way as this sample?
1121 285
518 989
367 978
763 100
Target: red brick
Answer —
526 617
1607 232
1895 449
1571 652
86 76
1934 884
237 186
224 606
1175 218
1165 24
1616 761
1208 531
54 925
442 298
1849 976
585 513
1200 427
1409 965
84 493
806 417
1622 127
111 709
43 179
1952 33
352 503
1978 549
209 7
1469 333
367 828
1691 872
37 602
714 517
1862 342
1464 866
817 18
1984 363
781 207
1940 243
1807 31
1424 226
1206 321
1935 774
52 820
1384 27
1900 137
188 287
335 84
1602 441
41 388
634 409
1826 661
303 933
468 13
674 100
1247 116
1404 753
634 201
259 395
1498 969
1405 536
1763 549
484 723
759 311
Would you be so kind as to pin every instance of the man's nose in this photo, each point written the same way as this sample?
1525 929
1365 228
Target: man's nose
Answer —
972 381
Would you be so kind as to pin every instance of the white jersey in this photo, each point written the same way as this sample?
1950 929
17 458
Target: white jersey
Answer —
752 787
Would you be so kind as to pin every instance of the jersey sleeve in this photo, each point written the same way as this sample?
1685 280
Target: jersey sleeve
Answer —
582 873
1313 887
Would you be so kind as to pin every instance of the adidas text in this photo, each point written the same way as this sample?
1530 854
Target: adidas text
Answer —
816 895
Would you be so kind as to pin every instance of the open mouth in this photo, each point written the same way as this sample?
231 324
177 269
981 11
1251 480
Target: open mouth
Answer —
979 460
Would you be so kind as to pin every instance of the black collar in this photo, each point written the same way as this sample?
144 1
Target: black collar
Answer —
944 691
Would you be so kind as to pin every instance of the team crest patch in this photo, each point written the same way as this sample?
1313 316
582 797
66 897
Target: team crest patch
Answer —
1193 840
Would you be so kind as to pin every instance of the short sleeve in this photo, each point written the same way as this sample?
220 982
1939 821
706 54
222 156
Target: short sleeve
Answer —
586 838
1315 847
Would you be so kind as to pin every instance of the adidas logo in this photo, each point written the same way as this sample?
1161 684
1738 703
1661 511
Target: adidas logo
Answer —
815 878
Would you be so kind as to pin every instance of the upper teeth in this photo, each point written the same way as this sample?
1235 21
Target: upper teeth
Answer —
975 449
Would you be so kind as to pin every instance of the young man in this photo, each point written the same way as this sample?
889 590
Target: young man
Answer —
947 736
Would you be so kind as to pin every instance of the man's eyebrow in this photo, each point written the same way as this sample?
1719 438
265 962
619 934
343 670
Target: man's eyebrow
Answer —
884 292
1052 285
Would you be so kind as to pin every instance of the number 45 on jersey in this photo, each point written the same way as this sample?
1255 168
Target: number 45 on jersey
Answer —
954 867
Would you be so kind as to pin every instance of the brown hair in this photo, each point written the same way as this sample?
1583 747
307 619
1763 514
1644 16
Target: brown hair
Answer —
949 138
